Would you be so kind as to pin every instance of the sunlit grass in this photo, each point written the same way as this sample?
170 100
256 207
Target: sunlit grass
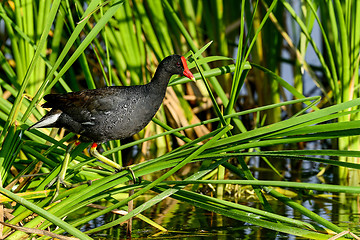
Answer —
61 49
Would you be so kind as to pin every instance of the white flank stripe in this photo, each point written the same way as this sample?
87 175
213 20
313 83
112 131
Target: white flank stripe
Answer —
47 121
88 123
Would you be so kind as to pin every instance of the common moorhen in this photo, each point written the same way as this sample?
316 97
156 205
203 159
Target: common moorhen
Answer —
116 112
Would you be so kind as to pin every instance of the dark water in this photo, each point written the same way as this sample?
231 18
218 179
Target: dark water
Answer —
183 221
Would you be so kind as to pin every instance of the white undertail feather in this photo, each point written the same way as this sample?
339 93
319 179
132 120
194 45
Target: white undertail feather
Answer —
47 121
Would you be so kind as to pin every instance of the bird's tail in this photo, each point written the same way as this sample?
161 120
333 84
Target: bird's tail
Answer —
49 120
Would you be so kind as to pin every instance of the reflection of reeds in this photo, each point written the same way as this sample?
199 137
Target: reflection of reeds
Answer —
49 46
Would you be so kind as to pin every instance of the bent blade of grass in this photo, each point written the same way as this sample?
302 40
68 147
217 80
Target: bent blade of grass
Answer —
207 60
208 73
198 53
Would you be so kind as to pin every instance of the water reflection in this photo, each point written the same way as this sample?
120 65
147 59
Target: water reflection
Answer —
184 221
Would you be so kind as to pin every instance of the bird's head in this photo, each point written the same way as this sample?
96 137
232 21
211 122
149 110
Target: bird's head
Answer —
177 64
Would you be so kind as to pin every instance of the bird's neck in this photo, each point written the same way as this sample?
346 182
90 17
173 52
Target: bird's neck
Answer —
160 80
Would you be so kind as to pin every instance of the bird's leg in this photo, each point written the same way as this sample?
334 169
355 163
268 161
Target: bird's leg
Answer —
61 177
66 163
94 152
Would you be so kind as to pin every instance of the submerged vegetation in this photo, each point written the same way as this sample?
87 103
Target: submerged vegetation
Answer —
239 110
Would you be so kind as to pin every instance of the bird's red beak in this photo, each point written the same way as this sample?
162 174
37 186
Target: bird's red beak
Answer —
187 72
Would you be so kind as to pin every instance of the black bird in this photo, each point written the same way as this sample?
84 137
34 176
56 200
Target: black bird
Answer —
117 112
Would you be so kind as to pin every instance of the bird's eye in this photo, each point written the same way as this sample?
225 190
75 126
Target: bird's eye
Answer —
178 64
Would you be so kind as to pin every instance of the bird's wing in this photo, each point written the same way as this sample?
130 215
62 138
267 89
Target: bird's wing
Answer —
83 105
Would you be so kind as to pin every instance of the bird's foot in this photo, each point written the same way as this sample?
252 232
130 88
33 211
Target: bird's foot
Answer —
59 180
136 180
94 152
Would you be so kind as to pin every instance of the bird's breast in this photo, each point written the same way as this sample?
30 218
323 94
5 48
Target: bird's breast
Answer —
124 120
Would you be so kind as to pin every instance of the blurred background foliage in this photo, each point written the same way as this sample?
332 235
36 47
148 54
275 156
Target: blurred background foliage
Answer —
245 50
